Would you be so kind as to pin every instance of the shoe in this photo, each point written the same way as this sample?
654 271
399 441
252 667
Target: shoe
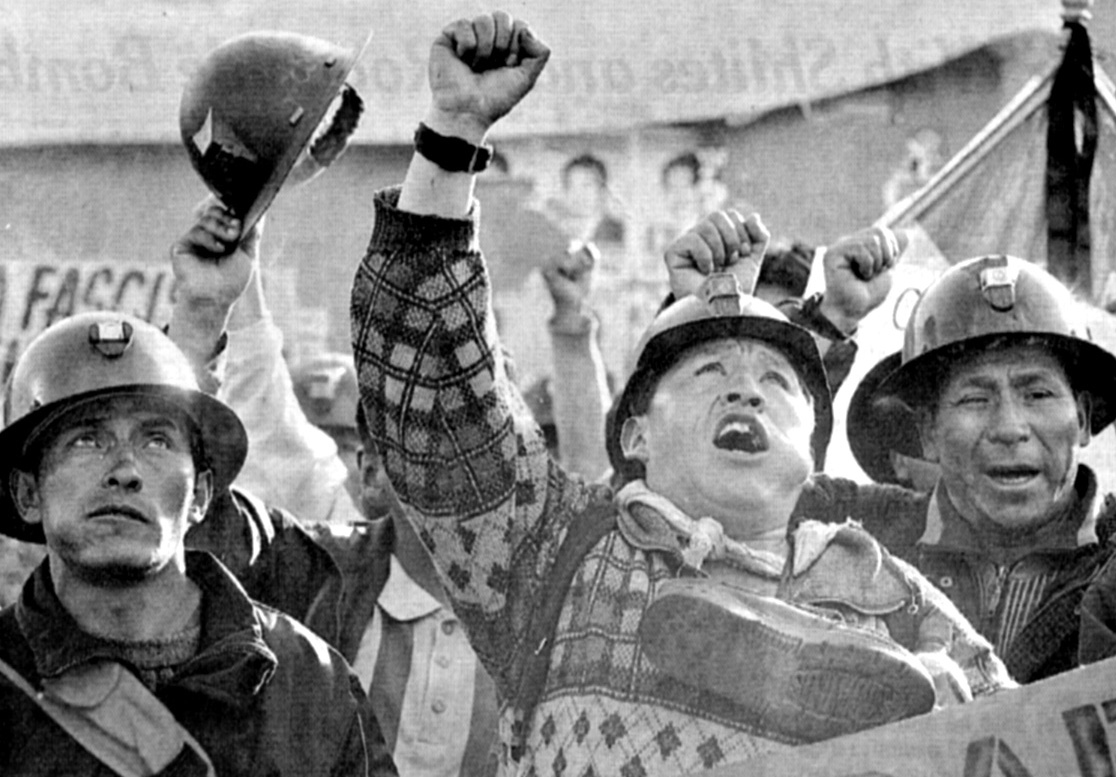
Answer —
804 676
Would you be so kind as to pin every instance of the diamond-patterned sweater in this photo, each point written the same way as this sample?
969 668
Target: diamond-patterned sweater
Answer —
462 449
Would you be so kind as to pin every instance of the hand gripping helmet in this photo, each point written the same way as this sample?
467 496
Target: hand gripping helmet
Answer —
975 304
326 388
255 104
91 356
718 311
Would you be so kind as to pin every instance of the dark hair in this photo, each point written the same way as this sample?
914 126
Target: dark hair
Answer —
587 162
688 161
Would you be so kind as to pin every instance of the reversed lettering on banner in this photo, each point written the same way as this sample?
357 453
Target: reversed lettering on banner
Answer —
35 295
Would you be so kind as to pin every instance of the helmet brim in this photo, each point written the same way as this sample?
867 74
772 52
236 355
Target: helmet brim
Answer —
222 435
878 424
663 351
301 140
880 417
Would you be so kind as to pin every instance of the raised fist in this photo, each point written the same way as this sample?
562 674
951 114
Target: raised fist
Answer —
858 273
568 275
479 69
722 241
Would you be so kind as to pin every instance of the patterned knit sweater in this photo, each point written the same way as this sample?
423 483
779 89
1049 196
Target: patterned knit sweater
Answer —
463 450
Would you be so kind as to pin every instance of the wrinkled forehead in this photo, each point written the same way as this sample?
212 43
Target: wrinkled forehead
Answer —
1010 360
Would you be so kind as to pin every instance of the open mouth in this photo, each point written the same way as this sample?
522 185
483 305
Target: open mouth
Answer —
1014 475
118 511
741 433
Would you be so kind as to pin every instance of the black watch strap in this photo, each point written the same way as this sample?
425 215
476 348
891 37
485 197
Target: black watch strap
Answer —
454 155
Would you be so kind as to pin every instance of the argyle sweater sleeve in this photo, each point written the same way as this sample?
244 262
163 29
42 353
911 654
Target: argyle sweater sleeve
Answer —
458 443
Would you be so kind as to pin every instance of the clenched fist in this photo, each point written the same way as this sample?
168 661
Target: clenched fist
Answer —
568 275
479 69
722 241
858 274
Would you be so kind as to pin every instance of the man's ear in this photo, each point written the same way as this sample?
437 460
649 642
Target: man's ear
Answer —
633 438
203 495
927 432
1084 417
25 493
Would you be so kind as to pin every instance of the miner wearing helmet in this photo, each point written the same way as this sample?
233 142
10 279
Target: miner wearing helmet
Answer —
110 454
719 423
1000 385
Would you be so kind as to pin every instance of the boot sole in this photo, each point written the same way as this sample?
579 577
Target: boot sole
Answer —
805 676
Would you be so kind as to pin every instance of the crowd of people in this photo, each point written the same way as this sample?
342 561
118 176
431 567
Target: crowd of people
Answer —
380 563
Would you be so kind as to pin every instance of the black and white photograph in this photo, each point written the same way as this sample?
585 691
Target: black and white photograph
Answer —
558 389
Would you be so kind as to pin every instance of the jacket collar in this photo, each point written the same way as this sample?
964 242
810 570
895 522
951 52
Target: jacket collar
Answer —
1076 527
232 663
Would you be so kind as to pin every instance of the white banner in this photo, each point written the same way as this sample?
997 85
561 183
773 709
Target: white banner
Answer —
34 295
1064 726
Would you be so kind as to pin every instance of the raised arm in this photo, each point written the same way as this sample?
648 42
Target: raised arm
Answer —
212 267
580 385
291 463
422 319
275 559
457 441
479 70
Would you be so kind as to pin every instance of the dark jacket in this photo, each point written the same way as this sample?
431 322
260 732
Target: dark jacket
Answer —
1067 556
263 695
269 552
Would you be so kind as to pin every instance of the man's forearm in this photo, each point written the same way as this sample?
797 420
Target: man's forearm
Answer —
580 395
197 328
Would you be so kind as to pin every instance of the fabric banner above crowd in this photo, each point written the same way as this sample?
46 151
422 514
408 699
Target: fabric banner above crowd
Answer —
100 72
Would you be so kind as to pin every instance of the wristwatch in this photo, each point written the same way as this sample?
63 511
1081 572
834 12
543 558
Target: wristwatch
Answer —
454 155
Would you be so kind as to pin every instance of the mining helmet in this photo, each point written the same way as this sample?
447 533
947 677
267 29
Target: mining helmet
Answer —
326 387
972 305
720 310
885 424
93 356
255 103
